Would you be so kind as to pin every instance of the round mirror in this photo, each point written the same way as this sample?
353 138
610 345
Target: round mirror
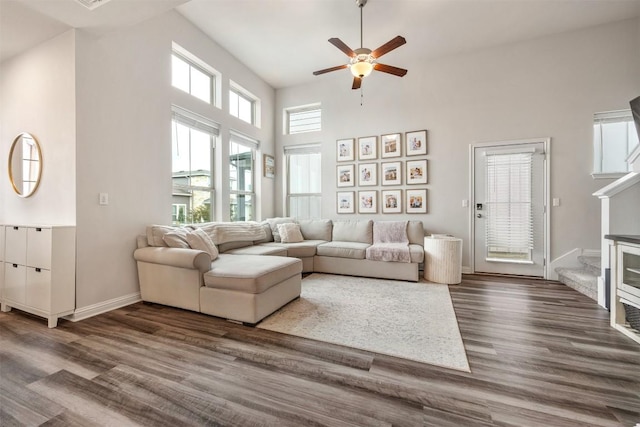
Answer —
25 164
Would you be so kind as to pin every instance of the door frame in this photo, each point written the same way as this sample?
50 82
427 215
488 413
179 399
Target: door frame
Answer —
546 221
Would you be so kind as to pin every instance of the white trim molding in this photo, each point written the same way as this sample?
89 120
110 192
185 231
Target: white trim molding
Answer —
103 307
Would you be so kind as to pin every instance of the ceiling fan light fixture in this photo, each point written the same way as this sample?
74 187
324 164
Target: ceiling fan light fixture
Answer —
361 68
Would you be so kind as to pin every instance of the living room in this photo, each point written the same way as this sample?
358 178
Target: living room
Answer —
101 106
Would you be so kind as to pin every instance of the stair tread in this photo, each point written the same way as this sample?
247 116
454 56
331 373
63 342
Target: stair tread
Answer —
594 261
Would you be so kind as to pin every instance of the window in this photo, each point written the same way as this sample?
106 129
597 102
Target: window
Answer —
614 138
194 76
242 151
304 181
509 225
193 144
243 105
303 119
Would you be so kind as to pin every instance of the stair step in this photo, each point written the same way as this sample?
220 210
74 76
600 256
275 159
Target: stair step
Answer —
581 279
592 263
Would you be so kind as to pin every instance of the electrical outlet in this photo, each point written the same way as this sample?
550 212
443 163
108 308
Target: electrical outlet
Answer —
465 203
556 201
104 199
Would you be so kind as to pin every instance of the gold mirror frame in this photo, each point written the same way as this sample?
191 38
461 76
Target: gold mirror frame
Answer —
15 149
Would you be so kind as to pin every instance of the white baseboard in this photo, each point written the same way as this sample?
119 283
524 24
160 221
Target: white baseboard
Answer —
466 269
103 307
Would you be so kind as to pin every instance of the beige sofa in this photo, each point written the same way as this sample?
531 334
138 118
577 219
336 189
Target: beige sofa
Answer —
257 273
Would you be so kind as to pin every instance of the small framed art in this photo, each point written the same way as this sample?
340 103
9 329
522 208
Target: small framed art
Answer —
368 148
416 201
390 173
367 174
416 171
344 150
269 166
346 176
416 143
367 201
345 202
391 145
391 201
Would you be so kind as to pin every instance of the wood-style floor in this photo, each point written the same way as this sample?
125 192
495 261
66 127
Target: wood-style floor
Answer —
540 353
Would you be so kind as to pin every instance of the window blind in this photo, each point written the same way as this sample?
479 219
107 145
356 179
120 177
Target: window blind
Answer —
509 218
302 149
304 120
244 140
195 121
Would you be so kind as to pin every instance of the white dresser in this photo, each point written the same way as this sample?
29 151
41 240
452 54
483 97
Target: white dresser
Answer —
39 270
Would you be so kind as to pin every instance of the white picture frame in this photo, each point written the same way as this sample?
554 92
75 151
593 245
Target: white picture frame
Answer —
345 175
416 172
368 148
391 173
416 143
391 201
344 150
368 201
367 174
345 203
391 145
416 201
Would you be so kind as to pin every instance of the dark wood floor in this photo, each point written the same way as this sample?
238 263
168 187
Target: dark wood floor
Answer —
540 353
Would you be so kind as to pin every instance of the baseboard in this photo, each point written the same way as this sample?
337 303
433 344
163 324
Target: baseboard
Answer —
103 307
466 270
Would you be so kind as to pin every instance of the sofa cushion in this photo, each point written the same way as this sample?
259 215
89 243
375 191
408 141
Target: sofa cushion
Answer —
415 232
353 231
259 250
250 273
267 231
176 240
304 249
417 253
316 229
200 240
290 233
226 247
155 234
353 250
273 223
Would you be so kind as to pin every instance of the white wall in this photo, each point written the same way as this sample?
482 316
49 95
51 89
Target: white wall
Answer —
37 95
548 87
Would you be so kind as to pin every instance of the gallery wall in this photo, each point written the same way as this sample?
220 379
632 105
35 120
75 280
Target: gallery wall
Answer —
548 87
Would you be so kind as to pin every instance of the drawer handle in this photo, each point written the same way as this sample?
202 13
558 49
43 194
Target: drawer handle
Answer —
15 228
38 270
38 229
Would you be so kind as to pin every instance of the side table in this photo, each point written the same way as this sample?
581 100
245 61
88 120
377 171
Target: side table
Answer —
443 259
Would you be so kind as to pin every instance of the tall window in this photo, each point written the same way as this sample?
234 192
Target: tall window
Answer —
509 230
614 138
303 119
193 144
242 151
243 105
304 181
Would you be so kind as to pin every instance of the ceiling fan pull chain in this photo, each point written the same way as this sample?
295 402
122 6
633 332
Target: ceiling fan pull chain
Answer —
361 96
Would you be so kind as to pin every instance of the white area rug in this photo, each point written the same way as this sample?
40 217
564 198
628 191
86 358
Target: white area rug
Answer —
413 321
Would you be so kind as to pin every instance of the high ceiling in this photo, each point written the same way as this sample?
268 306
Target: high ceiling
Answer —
284 41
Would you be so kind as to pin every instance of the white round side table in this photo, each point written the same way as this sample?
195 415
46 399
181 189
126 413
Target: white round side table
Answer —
443 259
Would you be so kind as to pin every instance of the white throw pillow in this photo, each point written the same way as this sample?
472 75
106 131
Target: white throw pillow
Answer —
198 239
290 233
176 240
274 222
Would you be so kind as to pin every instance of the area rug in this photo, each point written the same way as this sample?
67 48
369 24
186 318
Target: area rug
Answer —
414 321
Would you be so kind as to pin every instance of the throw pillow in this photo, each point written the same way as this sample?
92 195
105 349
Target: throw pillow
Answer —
290 233
273 223
155 234
176 240
198 239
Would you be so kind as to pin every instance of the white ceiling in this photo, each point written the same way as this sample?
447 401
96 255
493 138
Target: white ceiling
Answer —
284 41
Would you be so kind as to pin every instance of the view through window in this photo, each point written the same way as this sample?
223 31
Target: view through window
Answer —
304 184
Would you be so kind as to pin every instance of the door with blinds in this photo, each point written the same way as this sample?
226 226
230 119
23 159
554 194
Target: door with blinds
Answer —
509 209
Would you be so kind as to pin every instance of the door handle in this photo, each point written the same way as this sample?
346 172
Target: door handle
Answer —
479 215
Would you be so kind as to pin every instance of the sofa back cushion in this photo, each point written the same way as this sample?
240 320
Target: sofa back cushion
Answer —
353 231
415 233
267 230
316 229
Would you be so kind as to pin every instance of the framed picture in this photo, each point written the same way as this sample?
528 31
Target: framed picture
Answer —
345 202
344 149
416 171
346 176
368 148
269 166
391 173
391 201
416 143
367 174
391 145
416 201
367 202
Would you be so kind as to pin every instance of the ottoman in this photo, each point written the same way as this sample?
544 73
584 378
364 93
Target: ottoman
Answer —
248 288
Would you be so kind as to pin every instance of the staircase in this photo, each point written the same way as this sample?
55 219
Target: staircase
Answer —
584 279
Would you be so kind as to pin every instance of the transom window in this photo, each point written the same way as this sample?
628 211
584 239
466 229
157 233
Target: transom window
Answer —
303 119
304 181
614 138
243 105
194 76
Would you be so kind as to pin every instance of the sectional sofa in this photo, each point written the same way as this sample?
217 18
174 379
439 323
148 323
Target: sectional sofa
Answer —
246 271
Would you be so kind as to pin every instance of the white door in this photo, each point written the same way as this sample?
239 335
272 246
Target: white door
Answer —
509 208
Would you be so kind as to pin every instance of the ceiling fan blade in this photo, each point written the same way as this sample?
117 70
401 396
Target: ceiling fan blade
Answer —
400 72
357 81
328 70
388 46
342 46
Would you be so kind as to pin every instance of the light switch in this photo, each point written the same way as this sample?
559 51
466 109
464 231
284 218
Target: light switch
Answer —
465 203
556 201
104 199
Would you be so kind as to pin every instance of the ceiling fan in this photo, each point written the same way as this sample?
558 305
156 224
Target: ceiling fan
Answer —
363 61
